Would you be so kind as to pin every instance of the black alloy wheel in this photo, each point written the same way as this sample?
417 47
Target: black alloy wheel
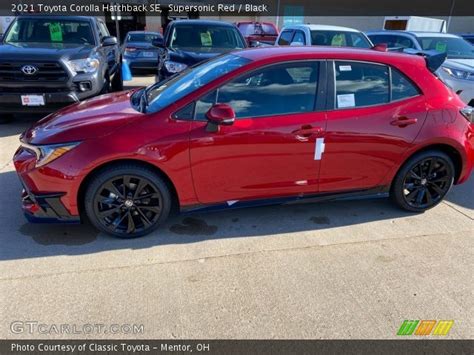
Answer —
424 181
128 205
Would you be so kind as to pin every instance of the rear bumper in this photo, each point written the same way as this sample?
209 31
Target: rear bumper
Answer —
143 63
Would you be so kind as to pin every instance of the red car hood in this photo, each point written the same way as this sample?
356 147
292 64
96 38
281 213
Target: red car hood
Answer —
88 119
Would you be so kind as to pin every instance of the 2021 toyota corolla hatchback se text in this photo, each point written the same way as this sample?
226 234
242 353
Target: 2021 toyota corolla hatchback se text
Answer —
263 125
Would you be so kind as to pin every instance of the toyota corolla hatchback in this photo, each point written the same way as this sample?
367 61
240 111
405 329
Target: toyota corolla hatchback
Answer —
260 126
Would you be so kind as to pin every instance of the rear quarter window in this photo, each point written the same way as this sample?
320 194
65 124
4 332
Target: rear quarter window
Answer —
402 87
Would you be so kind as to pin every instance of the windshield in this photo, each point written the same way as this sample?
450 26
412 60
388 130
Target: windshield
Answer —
454 47
50 31
205 38
339 39
249 29
142 37
163 94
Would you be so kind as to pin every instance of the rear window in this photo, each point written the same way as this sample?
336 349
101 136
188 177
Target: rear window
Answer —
50 31
249 29
202 37
392 41
339 39
142 37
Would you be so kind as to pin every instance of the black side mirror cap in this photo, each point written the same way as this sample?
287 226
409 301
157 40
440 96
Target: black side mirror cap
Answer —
109 41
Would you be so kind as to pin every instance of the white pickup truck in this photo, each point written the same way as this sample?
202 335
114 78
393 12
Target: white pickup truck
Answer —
322 35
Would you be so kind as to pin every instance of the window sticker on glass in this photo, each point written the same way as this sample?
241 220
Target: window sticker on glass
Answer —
345 68
55 32
346 100
338 40
206 39
440 47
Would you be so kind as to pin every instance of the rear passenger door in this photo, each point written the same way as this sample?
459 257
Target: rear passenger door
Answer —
375 114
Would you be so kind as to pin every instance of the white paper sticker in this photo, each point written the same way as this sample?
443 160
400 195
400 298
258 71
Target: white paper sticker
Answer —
345 68
346 100
32 100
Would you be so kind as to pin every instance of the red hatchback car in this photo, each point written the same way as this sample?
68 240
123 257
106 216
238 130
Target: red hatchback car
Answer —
259 126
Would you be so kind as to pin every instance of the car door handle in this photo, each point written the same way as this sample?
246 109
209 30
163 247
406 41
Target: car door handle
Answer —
404 121
307 131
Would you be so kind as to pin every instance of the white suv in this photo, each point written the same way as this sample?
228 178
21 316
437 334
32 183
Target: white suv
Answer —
322 35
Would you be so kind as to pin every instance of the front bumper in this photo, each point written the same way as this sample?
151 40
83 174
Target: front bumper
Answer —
55 96
48 194
46 208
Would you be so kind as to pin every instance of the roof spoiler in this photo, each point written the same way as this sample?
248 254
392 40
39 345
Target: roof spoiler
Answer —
434 59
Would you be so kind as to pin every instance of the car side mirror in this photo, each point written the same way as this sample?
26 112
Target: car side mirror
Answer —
254 44
219 115
158 42
109 41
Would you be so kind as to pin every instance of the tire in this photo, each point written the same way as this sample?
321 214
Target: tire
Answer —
5 118
117 82
423 181
141 208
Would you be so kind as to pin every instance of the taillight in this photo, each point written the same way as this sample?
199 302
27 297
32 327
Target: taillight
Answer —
130 49
468 112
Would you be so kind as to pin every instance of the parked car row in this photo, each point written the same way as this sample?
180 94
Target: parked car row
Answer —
308 119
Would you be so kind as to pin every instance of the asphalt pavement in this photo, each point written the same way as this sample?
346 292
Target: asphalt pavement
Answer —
345 269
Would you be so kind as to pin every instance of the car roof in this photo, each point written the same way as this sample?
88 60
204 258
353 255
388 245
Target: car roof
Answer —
413 33
145 32
329 52
202 22
321 28
254 23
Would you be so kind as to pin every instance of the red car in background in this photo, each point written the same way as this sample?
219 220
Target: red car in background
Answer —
260 126
263 32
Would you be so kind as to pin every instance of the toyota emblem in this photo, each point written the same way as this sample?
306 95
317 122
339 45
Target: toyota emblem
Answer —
29 69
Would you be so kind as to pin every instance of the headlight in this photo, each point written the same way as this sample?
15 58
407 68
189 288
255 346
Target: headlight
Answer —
88 65
459 74
174 67
45 154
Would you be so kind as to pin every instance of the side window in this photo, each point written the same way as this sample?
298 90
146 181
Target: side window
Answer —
361 84
285 38
275 90
298 38
402 87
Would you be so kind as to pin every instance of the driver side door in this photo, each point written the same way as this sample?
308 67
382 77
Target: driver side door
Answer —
271 148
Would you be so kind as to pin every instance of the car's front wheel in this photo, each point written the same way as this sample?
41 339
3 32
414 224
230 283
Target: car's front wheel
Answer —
423 181
127 201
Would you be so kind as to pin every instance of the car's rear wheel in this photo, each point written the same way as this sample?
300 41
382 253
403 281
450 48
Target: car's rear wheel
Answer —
423 181
127 201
